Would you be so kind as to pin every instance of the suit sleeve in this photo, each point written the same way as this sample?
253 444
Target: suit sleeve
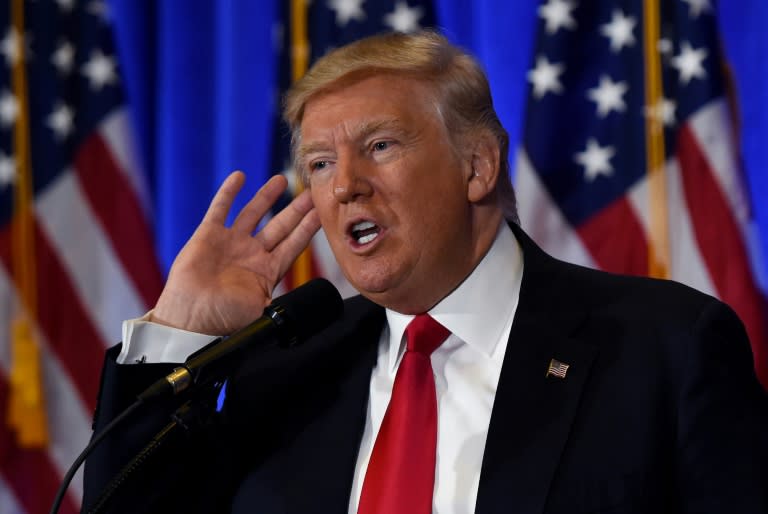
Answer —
722 420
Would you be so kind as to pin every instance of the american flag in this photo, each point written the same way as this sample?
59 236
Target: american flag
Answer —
629 162
76 252
308 30
557 368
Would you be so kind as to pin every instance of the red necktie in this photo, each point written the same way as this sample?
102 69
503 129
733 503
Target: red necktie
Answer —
401 473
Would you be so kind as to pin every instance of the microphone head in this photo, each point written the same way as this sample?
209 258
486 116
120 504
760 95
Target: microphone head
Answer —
306 310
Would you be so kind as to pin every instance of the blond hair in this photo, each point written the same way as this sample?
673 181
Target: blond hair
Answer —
461 88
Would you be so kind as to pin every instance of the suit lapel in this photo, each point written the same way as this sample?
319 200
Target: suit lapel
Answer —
533 412
317 468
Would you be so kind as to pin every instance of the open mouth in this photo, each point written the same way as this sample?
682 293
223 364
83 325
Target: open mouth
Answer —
364 232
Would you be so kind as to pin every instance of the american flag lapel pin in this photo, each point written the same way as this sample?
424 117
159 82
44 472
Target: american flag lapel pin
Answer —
557 368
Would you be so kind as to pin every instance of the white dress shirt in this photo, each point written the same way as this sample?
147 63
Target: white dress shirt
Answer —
467 366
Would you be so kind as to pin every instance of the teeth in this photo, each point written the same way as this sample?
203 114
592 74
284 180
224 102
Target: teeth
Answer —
367 239
363 225
364 232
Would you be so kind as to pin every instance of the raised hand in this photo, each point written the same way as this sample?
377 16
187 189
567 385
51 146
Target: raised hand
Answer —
224 277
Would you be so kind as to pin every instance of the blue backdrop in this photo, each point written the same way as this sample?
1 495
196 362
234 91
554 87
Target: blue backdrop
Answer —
200 77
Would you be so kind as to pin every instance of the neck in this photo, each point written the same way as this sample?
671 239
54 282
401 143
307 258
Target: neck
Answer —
429 292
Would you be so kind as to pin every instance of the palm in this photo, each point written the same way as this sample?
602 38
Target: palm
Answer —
224 276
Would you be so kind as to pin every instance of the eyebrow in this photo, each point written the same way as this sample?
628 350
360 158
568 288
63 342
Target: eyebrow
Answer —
362 131
393 124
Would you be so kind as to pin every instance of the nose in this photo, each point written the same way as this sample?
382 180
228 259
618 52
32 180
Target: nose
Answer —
351 180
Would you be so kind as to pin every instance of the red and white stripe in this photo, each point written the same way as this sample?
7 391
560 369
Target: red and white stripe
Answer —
713 244
95 266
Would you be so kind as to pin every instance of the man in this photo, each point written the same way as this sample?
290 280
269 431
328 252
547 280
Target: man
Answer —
556 388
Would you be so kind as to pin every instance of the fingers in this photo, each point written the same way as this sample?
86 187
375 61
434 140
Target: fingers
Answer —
222 201
290 247
250 216
286 235
285 222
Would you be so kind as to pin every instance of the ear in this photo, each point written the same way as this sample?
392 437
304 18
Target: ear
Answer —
485 161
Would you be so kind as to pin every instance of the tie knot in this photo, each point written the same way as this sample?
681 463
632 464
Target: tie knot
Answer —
423 334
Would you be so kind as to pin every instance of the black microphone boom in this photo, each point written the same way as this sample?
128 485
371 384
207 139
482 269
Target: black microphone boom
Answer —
288 320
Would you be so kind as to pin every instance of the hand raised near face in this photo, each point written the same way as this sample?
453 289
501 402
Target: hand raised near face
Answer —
224 276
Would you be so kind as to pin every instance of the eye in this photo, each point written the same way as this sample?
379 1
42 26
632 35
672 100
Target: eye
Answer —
318 165
379 146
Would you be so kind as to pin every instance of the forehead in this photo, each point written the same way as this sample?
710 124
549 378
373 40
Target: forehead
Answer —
384 100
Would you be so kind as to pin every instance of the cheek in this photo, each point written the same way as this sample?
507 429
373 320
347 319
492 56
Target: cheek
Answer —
323 202
441 218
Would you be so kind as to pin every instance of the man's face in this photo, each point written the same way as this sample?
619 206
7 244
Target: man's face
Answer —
391 190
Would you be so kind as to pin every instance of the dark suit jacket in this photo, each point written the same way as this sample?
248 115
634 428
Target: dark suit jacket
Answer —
659 412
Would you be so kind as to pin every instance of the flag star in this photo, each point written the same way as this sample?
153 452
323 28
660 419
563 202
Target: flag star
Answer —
689 63
61 121
557 14
596 160
100 70
403 18
619 30
7 170
696 7
66 5
608 96
10 46
347 10
63 57
100 9
545 77
9 109
663 110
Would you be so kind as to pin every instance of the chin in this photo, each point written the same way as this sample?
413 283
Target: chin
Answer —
388 295
373 287
372 283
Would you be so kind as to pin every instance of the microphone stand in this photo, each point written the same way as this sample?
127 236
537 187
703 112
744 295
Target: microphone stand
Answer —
189 417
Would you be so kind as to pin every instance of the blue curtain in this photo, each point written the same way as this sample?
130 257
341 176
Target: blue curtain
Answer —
200 77
200 82
742 26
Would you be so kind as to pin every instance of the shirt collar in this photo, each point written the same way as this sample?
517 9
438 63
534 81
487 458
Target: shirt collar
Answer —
479 309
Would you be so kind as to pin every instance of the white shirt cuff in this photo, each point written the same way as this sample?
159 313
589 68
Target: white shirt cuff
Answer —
145 341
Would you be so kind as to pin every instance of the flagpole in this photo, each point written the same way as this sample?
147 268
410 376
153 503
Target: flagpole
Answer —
658 233
26 405
301 271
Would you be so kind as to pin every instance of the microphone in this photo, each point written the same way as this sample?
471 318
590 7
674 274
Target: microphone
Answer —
287 321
